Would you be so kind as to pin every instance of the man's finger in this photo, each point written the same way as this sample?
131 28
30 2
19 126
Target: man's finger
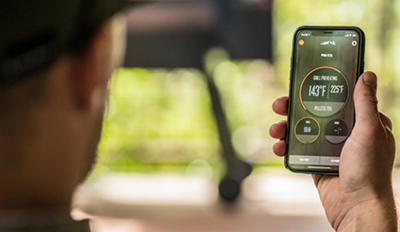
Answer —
317 179
365 100
278 130
280 106
279 148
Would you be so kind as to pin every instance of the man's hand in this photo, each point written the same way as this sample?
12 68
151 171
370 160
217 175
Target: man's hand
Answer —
361 199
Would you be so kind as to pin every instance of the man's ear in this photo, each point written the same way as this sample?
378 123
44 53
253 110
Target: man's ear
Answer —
91 70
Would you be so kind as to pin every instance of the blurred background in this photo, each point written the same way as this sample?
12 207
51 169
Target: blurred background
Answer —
161 156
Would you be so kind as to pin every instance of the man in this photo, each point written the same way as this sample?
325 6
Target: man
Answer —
56 59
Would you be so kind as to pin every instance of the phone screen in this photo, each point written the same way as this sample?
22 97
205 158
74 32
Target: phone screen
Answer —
325 68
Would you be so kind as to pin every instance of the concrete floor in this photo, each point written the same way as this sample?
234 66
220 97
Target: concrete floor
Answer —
272 201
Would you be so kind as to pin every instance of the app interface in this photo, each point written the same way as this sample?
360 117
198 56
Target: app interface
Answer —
322 108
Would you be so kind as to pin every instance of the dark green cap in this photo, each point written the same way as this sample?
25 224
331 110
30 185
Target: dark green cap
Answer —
34 33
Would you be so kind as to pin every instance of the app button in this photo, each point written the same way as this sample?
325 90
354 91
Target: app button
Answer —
304 160
307 130
336 131
330 161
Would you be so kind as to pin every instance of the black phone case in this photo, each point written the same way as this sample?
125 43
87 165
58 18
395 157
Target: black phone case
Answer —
360 70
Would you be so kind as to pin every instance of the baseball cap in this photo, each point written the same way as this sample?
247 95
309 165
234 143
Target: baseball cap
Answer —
33 34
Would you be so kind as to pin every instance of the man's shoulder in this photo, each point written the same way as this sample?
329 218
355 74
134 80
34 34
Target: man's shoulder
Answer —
49 220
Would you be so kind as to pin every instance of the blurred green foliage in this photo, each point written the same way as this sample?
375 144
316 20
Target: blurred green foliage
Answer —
157 117
162 120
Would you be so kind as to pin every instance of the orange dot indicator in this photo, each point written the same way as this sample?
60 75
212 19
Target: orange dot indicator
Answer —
301 42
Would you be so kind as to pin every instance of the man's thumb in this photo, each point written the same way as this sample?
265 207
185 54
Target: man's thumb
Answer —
365 100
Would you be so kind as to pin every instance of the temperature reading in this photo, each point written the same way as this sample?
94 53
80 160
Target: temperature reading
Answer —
337 88
317 90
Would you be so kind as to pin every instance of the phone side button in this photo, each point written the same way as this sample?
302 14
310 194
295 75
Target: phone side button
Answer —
361 68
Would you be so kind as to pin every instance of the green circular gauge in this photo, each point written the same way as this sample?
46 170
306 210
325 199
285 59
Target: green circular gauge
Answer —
324 91
307 130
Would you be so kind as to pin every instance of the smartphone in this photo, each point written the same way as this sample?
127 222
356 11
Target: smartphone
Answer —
326 64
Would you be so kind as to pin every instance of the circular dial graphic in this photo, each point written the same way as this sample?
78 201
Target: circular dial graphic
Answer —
336 131
324 91
307 130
